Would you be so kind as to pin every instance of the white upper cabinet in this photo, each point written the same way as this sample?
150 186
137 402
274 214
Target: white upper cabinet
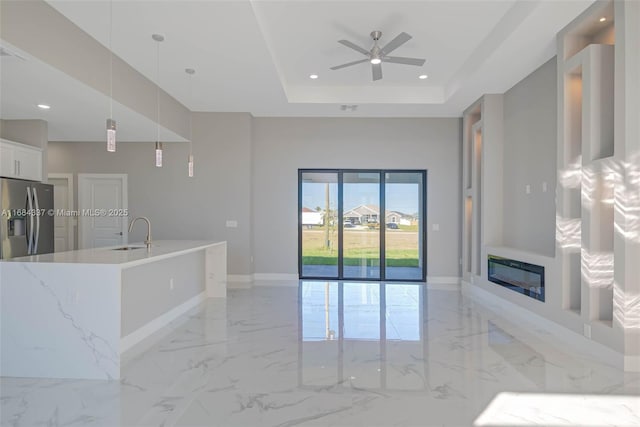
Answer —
20 161
7 159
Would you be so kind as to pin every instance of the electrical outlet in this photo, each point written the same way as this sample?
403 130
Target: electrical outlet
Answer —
171 283
435 227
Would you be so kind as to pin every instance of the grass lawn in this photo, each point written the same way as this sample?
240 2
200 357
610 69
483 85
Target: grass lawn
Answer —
359 246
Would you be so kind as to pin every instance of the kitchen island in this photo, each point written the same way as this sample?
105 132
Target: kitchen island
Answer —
73 314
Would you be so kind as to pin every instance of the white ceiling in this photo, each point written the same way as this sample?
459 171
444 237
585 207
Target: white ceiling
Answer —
256 56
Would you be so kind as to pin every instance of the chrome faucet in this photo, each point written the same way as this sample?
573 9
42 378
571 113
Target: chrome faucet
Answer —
148 239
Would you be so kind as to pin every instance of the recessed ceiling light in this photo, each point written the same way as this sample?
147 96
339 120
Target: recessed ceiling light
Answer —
603 19
422 76
44 106
313 76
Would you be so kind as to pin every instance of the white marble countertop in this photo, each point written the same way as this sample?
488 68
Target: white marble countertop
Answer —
159 250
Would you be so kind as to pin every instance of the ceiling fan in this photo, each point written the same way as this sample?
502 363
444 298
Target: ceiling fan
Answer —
378 55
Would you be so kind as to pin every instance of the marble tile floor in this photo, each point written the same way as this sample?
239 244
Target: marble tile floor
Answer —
339 354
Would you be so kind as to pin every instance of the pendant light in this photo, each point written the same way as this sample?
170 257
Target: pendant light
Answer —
158 38
111 124
190 72
158 154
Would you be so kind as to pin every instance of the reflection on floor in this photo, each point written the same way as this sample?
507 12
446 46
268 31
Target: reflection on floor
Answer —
363 273
339 354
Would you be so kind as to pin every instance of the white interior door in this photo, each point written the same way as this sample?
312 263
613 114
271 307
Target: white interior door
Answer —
102 205
63 225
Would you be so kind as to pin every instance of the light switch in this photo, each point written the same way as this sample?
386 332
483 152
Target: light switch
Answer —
435 227
527 189
232 223
544 187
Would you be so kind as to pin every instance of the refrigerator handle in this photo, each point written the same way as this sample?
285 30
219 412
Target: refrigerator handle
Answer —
30 211
37 212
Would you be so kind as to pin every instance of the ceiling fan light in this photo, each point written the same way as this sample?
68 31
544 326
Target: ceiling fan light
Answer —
376 61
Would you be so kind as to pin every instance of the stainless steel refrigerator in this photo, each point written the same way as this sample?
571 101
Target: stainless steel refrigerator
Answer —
26 226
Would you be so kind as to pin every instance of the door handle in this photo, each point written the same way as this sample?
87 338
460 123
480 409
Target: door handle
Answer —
37 212
118 234
30 234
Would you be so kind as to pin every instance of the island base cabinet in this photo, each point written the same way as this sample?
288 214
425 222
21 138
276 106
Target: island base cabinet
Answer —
60 320
76 320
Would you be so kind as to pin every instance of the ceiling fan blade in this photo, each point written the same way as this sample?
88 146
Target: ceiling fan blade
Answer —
348 64
354 46
377 71
400 39
402 60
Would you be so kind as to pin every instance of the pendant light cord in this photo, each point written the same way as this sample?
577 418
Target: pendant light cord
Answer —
110 60
191 115
158 92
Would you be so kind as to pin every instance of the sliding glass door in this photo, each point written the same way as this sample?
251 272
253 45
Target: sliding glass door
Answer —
404 192
318 224
362 224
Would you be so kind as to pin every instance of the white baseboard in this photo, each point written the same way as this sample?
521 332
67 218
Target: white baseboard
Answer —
278 283
445 280
239 278
563 335
159 322
233 280
275 276
244 281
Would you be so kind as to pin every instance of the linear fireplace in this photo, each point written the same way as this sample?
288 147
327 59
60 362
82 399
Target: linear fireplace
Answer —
522 277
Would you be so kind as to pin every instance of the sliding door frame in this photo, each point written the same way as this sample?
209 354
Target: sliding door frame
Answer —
382 219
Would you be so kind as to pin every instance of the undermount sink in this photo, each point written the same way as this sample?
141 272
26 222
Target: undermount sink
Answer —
128 248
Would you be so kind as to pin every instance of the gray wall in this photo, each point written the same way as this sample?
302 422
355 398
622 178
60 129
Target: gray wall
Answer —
282 145
530 120
180 207
29 132
246 170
